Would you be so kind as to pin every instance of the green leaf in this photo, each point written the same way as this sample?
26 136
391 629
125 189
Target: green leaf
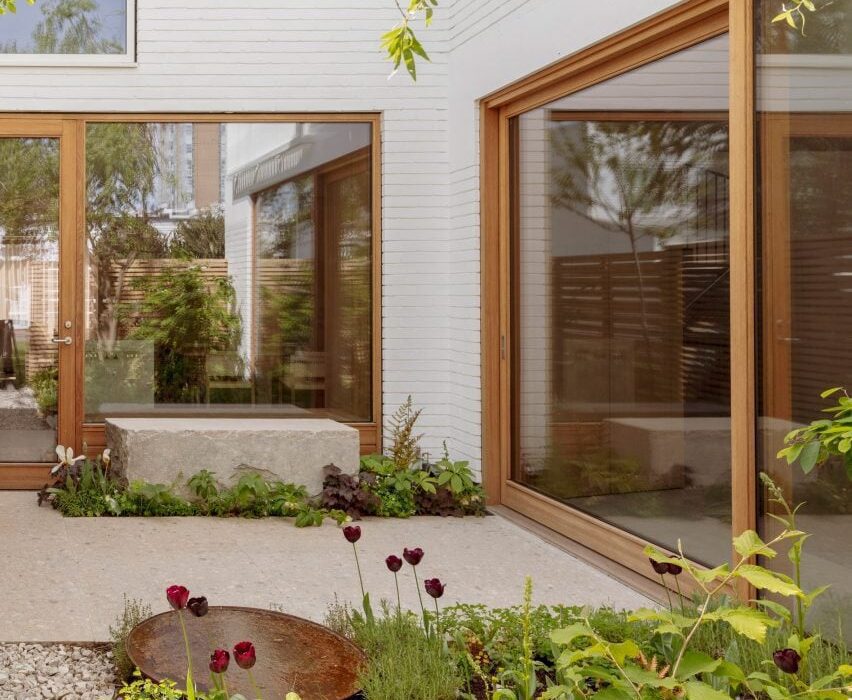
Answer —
708 575
828 392
650 678
696 690
809 456
727 669
748 544
766 580
695 662
610 693
748 622
567 635
777 608
624 650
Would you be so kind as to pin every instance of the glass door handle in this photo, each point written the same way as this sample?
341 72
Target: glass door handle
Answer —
62 341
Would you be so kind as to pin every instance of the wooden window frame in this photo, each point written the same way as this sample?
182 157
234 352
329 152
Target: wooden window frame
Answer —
71 129
677 28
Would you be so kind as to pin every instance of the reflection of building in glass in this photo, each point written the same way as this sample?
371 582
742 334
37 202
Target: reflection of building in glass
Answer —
189 176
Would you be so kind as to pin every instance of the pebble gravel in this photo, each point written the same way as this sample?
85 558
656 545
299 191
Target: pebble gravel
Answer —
55 672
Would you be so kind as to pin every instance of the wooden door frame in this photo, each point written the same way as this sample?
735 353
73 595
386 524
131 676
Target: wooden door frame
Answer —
70 128
684 25
30 475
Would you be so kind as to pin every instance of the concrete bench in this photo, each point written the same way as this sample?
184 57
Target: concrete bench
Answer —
294 450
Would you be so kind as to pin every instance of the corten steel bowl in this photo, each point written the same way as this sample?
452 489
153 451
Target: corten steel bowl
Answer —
292 653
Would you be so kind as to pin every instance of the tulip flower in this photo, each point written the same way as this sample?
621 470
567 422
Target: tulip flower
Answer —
177 596
787 660
352 533
659 567
413 556
197 606
434 587
674 569
394 564
219 661
246 657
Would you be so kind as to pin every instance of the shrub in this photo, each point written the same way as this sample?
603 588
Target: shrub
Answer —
403 661
134 612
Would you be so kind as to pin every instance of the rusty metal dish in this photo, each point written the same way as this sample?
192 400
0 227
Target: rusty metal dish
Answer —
292 653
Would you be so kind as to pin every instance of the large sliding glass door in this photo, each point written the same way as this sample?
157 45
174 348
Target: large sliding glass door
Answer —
620 296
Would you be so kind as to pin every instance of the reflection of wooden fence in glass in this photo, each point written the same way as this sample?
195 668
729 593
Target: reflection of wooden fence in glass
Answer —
657 337
818 303
44 316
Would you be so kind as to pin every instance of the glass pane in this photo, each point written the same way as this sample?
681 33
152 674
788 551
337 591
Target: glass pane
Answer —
621 302
29 298
217 282
804 82
65 27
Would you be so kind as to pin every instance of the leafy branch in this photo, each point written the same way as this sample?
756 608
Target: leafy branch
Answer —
795 15
401 43
11 6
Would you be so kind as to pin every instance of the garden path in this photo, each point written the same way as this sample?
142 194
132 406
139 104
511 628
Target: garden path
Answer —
62 579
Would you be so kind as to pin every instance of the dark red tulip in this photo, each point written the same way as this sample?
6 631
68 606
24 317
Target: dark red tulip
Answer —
394 563
244 655
674 569
787 660
219 661
177 596
413 556
197 606
352 533
434 587
660 567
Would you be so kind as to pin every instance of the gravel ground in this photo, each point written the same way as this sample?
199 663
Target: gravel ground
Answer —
55 672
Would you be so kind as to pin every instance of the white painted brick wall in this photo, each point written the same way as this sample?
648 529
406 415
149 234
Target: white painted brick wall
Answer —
323 56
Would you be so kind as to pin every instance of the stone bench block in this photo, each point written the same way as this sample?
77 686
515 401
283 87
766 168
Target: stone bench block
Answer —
158 450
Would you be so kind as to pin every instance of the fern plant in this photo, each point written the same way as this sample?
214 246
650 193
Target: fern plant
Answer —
405 444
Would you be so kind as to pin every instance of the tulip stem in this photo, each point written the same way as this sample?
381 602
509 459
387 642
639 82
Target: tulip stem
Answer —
420 597
680 596
398 597
437 623
254 685
190 691
358 566
668 594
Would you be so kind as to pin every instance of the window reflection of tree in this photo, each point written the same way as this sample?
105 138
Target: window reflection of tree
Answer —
68 27
641 178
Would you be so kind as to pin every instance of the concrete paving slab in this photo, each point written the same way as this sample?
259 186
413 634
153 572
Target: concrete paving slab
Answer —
62 579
